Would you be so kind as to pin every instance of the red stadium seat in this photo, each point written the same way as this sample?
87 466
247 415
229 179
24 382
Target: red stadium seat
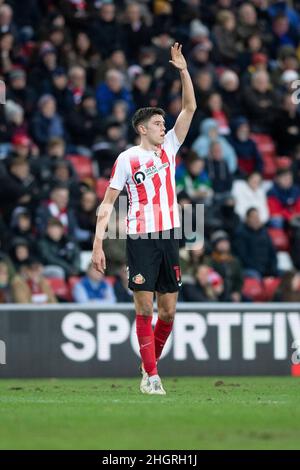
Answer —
270 286
101 186
82 165
253 289
59 287
266 146
279 238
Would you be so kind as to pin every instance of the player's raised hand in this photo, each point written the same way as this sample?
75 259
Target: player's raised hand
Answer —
98 260
178 59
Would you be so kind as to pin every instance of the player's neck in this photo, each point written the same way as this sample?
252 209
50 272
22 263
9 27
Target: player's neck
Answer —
149 147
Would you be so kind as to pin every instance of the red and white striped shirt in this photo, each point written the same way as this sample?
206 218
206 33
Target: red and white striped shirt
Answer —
150 184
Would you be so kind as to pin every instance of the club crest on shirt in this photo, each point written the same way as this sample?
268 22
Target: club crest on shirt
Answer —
138 279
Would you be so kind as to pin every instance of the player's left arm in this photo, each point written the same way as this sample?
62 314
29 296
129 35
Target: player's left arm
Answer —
189 105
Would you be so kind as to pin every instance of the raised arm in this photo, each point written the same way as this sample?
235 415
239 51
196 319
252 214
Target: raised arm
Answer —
104 213
189 105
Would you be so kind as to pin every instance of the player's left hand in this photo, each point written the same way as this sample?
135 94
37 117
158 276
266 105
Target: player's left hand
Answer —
178 59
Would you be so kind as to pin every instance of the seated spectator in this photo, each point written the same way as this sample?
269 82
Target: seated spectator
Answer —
216 110
63 175
209 131
46 123
283 199
93 287
192 179
249 158
250 193
260 103
254 247
209 286
86 216
121 290
20 252
56 207
225 38
289 288
218 171
30 287
20 92
56 249
41 73
77 84
222 216
286 130
112 90
15 120
107 148
84 124
21 226
231 95
192 258
6 292
60 91
227 265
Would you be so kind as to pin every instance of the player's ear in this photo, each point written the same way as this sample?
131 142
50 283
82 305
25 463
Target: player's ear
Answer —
142 130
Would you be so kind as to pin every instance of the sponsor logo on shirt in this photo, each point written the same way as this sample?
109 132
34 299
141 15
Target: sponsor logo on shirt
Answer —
140 176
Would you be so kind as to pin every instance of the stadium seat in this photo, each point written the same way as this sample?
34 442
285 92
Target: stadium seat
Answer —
82 165
59 287
270 286
253 289
266 146
279 238
101 186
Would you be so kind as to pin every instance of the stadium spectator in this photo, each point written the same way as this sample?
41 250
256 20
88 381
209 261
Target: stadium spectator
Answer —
260 103
20 252
249 158
192 180
254 247
30 286
218 171
105 30
46 123
209 286
56 249
225 38
86 215
286 129
250 193
289 288
231 94
121 290
93 287
112 90
6 292
227 265
84 124
209 132
283 199
56 207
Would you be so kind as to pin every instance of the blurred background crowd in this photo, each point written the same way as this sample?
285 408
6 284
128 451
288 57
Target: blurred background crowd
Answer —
76 70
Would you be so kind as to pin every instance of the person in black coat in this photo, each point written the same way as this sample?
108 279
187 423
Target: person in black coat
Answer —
286 129
218 171
254 247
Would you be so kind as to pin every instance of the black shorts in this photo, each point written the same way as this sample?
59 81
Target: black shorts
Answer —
153 264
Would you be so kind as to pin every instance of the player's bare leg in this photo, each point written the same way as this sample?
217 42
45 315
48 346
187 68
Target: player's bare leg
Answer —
150 383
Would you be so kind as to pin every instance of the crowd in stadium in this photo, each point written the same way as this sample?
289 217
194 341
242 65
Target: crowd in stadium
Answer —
74 73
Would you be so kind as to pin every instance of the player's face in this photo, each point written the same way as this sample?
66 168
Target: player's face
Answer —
155 130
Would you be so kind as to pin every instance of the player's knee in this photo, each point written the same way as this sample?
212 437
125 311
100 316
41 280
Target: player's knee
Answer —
146 309
166 314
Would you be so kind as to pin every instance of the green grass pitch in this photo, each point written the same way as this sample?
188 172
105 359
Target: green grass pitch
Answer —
197 413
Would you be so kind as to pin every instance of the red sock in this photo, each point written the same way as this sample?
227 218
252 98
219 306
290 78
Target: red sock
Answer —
145 336
162 331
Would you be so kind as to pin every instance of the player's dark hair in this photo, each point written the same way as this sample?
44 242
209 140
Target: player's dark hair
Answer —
143 115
